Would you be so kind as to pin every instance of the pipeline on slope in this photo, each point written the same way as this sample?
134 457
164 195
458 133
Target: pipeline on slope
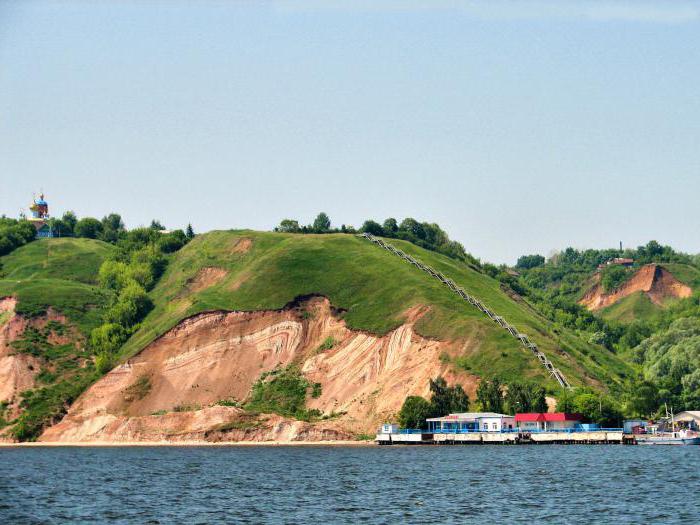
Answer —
500 321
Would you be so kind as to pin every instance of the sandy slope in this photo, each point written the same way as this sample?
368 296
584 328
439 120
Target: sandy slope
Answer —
654 281
17 371
219 355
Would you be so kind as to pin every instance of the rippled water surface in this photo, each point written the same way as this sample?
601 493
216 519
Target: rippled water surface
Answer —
554 484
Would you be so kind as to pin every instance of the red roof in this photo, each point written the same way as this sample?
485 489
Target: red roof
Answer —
549 417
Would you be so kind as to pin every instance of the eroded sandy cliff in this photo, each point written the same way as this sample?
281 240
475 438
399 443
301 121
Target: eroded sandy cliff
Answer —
170 389
653 280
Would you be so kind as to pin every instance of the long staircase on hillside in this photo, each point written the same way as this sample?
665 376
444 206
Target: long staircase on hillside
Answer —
500 321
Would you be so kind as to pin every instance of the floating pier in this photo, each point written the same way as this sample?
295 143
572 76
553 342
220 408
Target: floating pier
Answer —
595 437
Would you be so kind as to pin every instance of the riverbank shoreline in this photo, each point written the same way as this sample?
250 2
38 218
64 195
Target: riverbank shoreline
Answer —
61 444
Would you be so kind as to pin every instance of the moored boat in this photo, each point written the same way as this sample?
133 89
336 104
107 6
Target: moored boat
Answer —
669 438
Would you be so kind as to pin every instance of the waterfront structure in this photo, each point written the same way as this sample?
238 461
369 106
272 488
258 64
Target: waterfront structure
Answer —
634 426
690 420
552 421
389 428
40 217
471 422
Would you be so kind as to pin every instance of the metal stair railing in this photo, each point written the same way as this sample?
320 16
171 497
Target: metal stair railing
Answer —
522 338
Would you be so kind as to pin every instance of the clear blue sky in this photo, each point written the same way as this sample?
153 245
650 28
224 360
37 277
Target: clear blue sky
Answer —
520 127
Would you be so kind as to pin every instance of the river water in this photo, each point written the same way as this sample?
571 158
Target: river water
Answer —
422 484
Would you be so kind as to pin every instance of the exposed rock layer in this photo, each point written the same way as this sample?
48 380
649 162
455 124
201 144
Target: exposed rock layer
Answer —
170 389
17 371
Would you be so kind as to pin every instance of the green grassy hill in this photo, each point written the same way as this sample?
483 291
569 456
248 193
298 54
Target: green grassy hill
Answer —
684 273
57 273
247 271
375 288
60 274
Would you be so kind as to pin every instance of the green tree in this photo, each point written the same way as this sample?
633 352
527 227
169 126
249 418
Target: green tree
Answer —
390 227
642 398
613 276
104 362
489 395
113 275
107 338
322 223
189 232
566 402
447 399
59 228
412 227
530 261
88 227
288 226
112 227
172 242
526 397
131 306
70 220
14 234
113 222
156 225
372 227
414 411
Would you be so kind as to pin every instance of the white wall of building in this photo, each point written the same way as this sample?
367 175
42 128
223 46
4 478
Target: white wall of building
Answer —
496 424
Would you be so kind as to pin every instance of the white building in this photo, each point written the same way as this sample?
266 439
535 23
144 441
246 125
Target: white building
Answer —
471 422
689 419
496 423
389 428
552 421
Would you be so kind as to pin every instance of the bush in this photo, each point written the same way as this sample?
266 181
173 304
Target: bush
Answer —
288 226
613 276
283 392
327 344
107 338
113 275
104 362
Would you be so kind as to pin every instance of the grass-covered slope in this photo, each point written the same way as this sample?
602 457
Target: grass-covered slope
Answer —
631 308
639 307
60 276
256 271
685 273
57 273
